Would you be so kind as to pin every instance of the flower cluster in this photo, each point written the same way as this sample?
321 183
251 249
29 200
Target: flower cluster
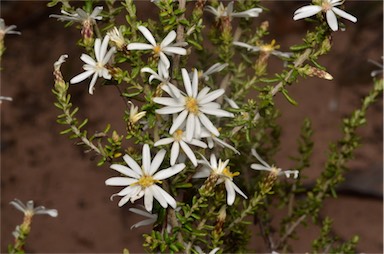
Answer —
186 116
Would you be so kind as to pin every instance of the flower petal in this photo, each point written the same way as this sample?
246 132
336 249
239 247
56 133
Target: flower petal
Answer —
216 112
195 83
254 153
155 191
202 93
146 160
174 50
156 162
88 60
332 20
343 14
231 194
171 110
147 34
174 152
257 166
164 141
82 76
171 36
187 150
166 101
237 189
187 82
306 11
120 181
139 46
164 60
166 173
103 49
190 128
97 47
212 96
208 124
92 84
133 164
178 121
125 170
148 198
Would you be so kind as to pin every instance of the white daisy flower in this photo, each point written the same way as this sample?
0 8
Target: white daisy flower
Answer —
30 210
160 50
330 9
117 37
142 181
151 218
193 107
80 15
222 11
212 139
95 68
265 166
266 48
220 169
179 140
164 78
6 29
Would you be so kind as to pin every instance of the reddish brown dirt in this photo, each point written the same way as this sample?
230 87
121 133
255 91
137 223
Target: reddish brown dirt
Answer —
37 163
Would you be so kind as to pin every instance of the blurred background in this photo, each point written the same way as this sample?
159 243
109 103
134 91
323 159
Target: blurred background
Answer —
39 164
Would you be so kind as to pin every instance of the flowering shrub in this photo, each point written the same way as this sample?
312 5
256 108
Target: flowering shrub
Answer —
201 163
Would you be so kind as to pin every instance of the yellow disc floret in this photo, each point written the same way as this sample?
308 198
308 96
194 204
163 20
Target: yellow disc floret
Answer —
191 105
146 181
157 49
269 47
178 135
226 172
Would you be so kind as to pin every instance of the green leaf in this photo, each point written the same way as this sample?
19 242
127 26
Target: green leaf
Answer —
290 100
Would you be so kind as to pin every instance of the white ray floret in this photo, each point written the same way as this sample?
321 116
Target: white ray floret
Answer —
220 169
265 166
142 181
179 140
95 67
330 10
193 107
151 218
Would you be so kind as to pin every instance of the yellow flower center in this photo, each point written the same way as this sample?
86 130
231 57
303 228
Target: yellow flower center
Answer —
157 49
326 6
192 105
146 181
269 47
229 174
275 170
178 135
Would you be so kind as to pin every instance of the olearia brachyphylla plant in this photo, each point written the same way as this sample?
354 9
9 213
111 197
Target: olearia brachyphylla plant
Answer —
186 103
